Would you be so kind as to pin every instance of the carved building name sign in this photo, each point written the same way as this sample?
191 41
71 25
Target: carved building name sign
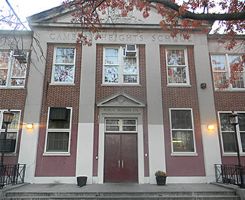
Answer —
119 37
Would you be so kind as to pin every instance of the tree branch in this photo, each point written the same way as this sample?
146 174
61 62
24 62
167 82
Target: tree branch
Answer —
201 16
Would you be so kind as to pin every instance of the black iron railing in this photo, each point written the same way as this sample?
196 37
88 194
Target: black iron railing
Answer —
12 174
231 174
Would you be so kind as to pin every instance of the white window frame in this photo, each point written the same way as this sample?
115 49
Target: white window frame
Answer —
186 66
53 82
173 153
121 125
238 135
121 56
9 129
227 71
10 68
50 153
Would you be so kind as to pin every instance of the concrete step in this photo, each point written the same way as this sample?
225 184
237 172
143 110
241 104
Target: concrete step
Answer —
225 195
127 198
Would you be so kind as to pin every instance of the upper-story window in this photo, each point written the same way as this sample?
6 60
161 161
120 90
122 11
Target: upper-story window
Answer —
177 66
228 133
225 73
63 71
12 72
120 65
13 128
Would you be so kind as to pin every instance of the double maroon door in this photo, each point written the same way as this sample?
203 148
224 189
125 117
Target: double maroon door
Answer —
121 160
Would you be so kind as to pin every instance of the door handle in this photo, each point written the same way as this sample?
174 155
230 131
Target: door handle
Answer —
122 164
118 162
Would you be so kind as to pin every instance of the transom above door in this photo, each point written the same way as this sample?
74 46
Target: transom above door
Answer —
120 125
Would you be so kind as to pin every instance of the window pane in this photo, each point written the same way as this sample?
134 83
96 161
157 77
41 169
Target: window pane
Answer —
175 57
238 81
129 128
57 141
65 55
130 66
241 120
112 128
129 122
177 75
4 59
58 123
242 135
220 80
183 141
63 73
15 123
111 57
229 142
225 122
111 74
3 76
130 79
234 59
181 119
218 62
19 69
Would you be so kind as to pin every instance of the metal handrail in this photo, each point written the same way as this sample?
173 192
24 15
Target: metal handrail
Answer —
12 174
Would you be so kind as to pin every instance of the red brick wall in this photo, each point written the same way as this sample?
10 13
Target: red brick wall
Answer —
59 96
138 92
13 99
229 101
182 97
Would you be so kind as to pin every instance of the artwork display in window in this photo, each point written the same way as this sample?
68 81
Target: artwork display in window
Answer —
64 65
64 73
177 66
118 68
12 72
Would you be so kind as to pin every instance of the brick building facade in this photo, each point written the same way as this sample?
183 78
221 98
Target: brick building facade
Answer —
134 102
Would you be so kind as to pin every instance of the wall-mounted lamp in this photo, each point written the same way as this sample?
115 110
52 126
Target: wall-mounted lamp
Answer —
29 125
211 127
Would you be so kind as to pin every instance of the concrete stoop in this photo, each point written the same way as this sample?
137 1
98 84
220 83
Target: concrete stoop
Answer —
121 192
126 195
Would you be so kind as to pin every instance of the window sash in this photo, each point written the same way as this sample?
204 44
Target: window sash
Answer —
228 141
177 66
182 138
221 63
122 70
50 142
12 73
63 69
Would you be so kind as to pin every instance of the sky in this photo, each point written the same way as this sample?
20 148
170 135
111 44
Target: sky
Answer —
25 8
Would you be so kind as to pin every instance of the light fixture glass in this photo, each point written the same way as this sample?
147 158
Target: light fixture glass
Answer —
211 127
29 125
233 118
8 117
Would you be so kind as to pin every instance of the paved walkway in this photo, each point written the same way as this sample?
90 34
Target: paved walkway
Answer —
119 188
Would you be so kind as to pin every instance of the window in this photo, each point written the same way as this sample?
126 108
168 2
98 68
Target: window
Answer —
121 65
182 131
58 130
228 133
120 125
12 72
64 65
13 128
177 67
224 73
